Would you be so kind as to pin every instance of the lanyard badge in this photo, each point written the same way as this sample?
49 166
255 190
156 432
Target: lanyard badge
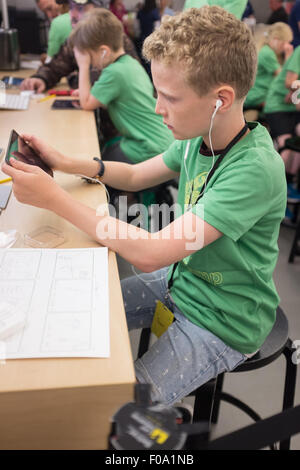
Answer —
163 318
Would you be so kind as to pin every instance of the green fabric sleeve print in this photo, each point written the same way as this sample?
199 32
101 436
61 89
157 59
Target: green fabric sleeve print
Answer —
238 198
173 156
107 87
269 61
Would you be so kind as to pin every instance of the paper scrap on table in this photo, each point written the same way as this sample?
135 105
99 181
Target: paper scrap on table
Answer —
30 64
64 296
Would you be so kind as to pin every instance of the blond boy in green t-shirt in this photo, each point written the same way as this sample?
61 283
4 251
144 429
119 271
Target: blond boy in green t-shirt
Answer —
213 265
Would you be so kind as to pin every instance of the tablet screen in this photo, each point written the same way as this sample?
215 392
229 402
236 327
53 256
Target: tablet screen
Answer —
17 148
66 104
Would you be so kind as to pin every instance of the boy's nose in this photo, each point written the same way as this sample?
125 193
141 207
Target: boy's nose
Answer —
159 109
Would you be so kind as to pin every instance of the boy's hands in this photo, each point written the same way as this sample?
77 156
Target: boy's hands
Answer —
75 92
83 58
53 158
33 186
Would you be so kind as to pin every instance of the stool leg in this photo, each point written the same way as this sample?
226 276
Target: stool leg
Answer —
204 401
295 213
289 385
294 248
217 401
144 342
203 405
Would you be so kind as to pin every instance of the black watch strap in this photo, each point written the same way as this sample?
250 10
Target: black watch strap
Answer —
102 167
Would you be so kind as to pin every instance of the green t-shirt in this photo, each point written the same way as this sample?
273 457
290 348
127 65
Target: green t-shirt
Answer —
227 286
278 91
60 29
236 7
266 67
125 88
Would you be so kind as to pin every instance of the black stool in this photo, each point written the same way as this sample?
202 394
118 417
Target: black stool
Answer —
295 249
293 143
209 395
160 195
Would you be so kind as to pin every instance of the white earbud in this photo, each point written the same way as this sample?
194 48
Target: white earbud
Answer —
103 54
218 104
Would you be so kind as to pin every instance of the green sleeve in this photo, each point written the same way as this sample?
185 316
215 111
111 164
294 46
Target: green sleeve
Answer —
174 155
107 88
242 195
53 40
268 60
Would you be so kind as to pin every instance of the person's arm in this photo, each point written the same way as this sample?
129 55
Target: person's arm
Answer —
35 84
87 101
61 65
288 51
290 79
268 60
147 251
118 175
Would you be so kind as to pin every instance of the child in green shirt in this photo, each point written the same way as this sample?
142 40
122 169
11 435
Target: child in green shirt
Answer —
282 114
60 29
277 42
213 265
123 87
236 7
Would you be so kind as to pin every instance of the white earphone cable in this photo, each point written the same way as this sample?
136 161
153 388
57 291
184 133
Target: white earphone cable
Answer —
211 146
94 180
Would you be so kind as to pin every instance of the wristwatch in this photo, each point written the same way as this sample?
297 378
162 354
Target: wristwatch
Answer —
102 167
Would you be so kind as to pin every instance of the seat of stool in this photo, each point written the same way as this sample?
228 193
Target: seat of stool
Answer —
272 347
209 396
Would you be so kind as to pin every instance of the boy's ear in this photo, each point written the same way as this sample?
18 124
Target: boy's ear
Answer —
226 95
104 50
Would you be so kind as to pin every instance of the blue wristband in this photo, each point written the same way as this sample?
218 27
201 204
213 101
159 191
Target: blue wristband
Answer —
102 167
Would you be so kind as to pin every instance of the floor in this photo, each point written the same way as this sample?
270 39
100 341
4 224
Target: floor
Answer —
261 389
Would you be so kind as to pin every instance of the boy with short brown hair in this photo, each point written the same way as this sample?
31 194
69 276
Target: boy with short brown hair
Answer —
123 88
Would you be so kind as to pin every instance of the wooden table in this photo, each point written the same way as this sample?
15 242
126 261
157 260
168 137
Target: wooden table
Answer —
63 403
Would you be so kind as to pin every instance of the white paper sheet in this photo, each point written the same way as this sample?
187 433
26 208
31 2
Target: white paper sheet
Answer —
64 296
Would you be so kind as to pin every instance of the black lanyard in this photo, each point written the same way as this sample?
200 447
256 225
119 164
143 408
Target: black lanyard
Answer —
209 176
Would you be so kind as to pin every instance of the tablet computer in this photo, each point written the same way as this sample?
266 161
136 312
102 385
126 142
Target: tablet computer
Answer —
19 149
12 81
66 104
